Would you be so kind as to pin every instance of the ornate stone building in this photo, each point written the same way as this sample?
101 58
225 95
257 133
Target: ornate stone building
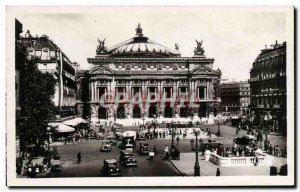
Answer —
268 88
235 97
140 77
51 59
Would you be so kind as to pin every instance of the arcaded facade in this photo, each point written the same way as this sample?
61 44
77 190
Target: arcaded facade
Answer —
140 77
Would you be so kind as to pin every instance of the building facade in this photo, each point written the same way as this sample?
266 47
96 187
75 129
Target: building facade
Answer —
235 97
20 59
51 59
268 88
140 77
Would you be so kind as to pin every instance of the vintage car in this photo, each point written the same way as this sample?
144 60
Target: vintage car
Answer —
244 140
129 147
111 168
106 146
113 142
144 148
127 158
56 166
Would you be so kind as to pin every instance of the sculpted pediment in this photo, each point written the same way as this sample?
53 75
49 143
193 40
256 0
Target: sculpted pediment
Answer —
101 70
203 70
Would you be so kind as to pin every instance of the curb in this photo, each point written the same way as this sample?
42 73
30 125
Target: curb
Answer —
176 168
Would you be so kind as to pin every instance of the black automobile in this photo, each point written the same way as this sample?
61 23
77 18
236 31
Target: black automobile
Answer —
111 168
127 158
144 148
113 142
244 140
106 146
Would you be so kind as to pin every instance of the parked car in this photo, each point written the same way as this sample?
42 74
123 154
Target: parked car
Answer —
144 148
106 146
113 142
244 140
127 158
111 168
56 165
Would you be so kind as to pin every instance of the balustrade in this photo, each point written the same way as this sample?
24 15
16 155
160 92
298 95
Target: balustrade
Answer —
263 160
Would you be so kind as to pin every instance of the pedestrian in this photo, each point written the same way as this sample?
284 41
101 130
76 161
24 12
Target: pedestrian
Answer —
154 150
79 157
177 139
218 172
192 143
166 152
255 160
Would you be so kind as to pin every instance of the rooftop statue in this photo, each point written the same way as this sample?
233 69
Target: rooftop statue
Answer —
139 30
101 48
176 47
199 49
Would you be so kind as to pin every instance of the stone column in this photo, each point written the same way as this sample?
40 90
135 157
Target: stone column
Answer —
92 84
161 91
113 88
143 89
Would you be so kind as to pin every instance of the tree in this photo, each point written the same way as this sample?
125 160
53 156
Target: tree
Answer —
37 89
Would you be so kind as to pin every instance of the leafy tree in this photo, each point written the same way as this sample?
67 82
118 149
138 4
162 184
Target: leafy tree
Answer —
37 90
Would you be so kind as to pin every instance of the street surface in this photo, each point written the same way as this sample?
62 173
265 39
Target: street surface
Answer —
92 159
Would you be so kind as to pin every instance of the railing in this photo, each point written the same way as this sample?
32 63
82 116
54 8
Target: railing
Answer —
263 160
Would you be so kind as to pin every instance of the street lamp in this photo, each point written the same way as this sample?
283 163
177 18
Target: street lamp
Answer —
172 134
218 121
197 166
267 119
143 118
154 116
48 134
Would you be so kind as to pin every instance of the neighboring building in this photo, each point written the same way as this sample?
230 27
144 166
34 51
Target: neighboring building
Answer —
141 67
20 58
51 59
268 88
235 97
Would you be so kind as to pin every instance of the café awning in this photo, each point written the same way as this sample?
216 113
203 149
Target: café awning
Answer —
75 121
62 128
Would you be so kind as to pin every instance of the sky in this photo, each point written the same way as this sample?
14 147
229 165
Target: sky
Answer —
232 36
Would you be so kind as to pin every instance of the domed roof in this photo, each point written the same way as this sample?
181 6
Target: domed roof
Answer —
141 46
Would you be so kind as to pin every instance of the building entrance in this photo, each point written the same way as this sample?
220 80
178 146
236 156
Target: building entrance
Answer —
168 112
202 110
184 112
121 112
152 111
102 113
136 112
